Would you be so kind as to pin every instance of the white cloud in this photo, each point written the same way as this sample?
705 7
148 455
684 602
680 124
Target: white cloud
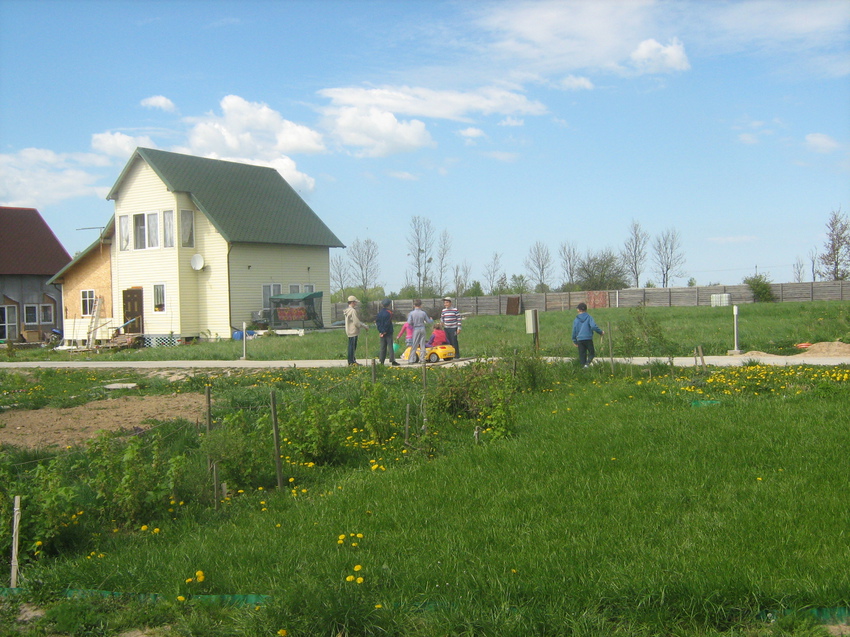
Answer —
820 143
404 176
159 101
504 156
471 132
250 129
748 138
38 177
377 133
653 57
512 121
573 83
425 102
118 144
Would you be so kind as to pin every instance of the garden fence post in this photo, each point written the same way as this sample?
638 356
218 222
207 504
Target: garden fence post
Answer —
276 434
374 372
16 529
210 462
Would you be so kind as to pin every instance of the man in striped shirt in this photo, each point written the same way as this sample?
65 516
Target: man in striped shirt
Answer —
450 318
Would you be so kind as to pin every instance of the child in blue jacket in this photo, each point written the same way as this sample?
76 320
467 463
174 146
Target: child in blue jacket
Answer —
583 328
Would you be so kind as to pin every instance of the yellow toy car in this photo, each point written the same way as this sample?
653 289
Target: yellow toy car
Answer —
432 354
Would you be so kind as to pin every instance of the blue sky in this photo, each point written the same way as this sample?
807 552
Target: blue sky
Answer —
506 123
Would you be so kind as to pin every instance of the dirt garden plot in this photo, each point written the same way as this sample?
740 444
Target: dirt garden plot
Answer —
52 427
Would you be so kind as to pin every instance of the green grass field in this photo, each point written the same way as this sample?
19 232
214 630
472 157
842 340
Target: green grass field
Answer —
769 327
642 502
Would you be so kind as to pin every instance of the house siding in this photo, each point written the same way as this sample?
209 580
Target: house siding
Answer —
253 265
144 192
203 293
92 272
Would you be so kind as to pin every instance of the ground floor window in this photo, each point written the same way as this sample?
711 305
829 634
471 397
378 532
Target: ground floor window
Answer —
270 290
8 322
309 288
294 288
87 302
30 314
47 314
159 297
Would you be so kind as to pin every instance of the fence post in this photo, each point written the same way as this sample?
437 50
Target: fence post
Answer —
276 435
16 530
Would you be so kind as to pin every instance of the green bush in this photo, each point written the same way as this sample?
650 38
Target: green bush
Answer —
759 285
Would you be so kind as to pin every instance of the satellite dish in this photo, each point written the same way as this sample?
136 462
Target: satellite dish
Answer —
197 262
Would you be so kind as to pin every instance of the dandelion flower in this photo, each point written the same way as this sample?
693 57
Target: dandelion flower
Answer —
379 605
358 567
144 527
180 598
359 580
350 578
282 632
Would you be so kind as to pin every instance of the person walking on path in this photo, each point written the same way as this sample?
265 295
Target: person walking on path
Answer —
450 318
384 326
583 328
353 327
417 320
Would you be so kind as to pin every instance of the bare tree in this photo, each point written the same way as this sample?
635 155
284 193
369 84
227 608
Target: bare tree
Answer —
835 259
813 259
461 275
340 273
492 273
568 253
420 246
364 264
633 253
444 248
602 270
667 256
799 268
538 262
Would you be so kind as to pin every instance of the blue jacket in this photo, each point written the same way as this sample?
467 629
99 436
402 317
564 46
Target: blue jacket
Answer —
384 321
583 328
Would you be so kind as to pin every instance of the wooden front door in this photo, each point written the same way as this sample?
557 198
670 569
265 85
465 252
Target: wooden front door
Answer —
133 310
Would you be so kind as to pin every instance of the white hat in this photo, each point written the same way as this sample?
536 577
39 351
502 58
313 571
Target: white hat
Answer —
353 298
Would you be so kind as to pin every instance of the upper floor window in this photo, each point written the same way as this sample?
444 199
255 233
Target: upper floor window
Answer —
124 232
167 228
187 228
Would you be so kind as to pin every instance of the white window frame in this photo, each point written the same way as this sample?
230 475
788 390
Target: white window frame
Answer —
309 288
46 314
269 291
139 227
86 302
167 228
31 307
152 229
124 233
161 287
9 322
187 228
295 288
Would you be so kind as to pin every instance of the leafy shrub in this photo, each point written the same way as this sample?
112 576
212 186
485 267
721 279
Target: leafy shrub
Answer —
642 335
759 285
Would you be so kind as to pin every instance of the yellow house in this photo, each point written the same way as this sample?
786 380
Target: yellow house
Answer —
197 246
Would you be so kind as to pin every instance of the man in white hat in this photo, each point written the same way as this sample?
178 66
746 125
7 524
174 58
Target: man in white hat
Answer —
353 327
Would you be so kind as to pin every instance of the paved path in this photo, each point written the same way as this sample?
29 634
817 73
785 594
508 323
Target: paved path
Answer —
682 361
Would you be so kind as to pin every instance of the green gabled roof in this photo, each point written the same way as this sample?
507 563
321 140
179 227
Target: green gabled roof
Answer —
245 203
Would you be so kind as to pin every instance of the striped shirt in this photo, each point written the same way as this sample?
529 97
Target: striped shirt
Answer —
450 318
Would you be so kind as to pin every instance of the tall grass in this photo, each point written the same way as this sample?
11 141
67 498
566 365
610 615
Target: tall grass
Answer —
621 506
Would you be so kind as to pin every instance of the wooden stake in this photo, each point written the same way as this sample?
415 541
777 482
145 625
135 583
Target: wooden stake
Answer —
16 532
702 358
610 345
276 435
374 372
